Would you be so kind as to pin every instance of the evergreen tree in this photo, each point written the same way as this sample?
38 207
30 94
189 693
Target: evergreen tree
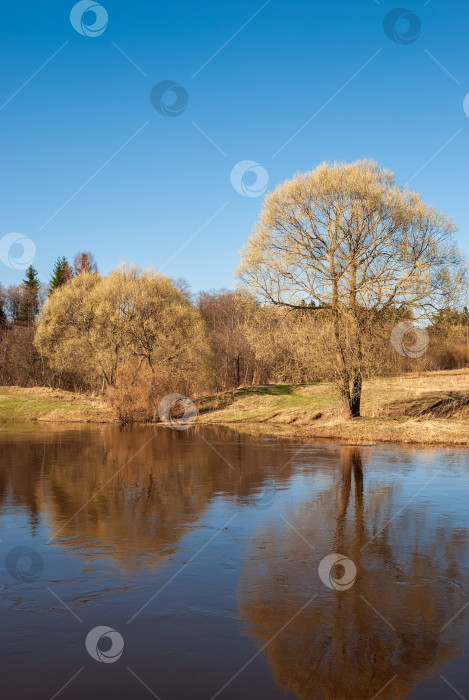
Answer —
31 280
30 297
60 274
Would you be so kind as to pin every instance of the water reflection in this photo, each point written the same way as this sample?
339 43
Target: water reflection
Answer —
131 494
293 505
390 629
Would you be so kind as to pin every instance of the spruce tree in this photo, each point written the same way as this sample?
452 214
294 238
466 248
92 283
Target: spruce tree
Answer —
60 274
30 299
31 280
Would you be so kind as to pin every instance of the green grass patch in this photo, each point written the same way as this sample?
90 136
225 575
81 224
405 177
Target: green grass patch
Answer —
41 403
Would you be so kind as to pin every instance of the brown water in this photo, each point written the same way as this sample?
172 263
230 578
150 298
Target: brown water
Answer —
201 550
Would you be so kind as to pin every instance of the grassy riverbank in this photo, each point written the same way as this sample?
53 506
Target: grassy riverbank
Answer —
44 404
429 408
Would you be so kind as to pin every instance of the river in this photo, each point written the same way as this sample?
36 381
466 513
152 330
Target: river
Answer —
207 563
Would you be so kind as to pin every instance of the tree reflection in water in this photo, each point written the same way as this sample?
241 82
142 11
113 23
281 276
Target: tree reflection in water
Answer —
384 634
130 495
410 573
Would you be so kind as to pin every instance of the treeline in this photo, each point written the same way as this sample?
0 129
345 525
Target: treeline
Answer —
136 336
21 363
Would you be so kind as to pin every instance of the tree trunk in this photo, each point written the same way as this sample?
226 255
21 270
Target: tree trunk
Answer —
355 406
346 399
351 396
356 396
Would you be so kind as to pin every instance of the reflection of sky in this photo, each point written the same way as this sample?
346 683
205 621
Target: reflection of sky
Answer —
427 482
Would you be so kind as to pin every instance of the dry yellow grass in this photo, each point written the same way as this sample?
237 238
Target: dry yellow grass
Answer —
425 408
429 408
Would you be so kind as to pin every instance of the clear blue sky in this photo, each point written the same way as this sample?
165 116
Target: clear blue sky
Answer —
293 60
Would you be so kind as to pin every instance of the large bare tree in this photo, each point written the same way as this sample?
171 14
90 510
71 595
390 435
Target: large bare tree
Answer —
349 239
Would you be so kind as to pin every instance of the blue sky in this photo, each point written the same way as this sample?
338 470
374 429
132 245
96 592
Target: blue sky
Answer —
89 164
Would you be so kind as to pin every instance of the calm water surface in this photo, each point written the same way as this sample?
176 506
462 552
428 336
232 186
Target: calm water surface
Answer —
201 550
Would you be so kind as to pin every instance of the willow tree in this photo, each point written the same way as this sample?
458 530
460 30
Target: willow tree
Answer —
131 329
349 239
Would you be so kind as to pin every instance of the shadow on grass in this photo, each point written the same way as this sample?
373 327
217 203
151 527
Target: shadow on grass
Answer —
451 404
223 400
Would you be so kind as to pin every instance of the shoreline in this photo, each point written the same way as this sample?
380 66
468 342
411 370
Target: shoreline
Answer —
355 434
351 438
429 409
